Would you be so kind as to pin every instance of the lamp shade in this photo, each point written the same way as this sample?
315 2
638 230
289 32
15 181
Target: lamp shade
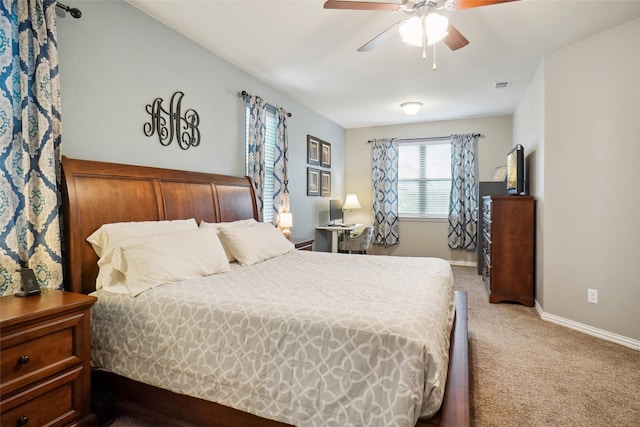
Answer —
286 220
436 27
351 202
411 31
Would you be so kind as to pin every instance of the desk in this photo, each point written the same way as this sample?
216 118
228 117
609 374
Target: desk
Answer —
335 230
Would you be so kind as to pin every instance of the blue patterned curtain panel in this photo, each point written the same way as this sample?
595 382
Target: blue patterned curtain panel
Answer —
463 204
386 228
30 135
280 167
256 129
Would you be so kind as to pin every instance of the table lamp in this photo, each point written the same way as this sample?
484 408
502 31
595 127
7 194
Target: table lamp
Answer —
350 203
285 224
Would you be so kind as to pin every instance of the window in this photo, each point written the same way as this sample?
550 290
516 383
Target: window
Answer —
424 179
271 123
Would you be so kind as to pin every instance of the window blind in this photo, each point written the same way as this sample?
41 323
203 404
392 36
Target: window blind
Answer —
424 179
269 158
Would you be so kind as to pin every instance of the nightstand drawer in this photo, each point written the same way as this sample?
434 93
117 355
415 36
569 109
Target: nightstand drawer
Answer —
44 363
37 352
302 244
49 404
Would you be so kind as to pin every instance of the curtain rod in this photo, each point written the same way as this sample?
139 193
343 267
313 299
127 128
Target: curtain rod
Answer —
244 95
431 138
75 12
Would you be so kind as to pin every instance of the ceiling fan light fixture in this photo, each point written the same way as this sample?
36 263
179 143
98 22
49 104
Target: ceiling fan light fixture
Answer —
436 27
411 108
411 31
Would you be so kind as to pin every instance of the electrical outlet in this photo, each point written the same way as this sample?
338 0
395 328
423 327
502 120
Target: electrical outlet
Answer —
592 296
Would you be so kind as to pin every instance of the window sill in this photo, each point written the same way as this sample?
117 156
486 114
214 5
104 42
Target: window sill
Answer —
421 219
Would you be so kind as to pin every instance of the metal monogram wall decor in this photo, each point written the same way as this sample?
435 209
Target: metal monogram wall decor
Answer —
172 124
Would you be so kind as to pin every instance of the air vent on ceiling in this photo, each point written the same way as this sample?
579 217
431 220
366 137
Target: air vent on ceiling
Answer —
502 85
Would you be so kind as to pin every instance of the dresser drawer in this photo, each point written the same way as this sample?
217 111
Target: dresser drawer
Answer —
36 352
48 404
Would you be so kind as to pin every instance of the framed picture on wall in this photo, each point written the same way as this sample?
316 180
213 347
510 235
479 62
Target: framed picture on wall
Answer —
313 150
325 152
325 183
313 182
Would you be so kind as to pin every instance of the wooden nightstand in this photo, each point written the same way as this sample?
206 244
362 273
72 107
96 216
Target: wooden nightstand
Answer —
45 368
303 244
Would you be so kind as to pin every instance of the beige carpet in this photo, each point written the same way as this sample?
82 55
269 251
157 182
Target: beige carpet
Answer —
528 372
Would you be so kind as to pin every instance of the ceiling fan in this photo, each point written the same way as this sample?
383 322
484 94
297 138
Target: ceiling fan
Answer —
425 26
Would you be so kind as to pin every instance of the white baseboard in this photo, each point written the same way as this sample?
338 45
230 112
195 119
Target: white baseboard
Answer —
589 330
580 327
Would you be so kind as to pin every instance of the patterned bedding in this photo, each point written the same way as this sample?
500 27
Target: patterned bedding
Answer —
306 338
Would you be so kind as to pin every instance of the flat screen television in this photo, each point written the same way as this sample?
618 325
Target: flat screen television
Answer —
335 211
516 176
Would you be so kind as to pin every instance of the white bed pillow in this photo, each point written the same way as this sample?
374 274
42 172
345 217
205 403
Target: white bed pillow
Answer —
256 243
148 261
109 234
105 238
217 226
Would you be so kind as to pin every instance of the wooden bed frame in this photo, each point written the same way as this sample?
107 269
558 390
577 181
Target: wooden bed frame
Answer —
96 193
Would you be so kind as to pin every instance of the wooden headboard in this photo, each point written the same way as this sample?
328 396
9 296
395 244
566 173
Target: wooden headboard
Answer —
96 193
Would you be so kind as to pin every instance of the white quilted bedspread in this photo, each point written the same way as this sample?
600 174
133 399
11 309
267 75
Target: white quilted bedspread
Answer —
306 338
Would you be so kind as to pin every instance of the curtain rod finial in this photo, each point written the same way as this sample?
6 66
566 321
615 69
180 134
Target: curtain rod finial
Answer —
75 12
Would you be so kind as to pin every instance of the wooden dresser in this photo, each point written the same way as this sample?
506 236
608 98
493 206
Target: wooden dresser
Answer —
508 248
45 361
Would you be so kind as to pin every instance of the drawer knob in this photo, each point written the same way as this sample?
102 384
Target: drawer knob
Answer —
23 360
22 421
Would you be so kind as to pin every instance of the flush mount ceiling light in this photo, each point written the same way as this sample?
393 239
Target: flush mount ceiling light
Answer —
411 108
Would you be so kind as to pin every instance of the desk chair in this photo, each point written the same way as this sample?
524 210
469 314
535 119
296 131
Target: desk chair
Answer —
357 242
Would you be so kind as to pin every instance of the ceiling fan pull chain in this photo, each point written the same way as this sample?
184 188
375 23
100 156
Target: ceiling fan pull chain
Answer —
424 39
435 67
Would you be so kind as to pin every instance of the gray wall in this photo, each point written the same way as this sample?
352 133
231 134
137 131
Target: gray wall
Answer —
582 110
115 60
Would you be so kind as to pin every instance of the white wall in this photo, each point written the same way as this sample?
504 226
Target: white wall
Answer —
115 60
591 181
423 237
529 131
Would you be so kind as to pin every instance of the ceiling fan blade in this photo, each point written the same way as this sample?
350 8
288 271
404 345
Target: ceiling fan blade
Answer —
380 38
455 40
361 5
468 4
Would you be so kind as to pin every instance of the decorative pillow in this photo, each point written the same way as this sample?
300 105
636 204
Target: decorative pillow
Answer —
108 235
255 243
220 225
148 261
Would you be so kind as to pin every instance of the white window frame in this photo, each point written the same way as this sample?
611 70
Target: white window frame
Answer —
423 180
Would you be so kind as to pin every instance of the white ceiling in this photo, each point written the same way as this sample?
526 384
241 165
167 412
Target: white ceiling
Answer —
310 53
